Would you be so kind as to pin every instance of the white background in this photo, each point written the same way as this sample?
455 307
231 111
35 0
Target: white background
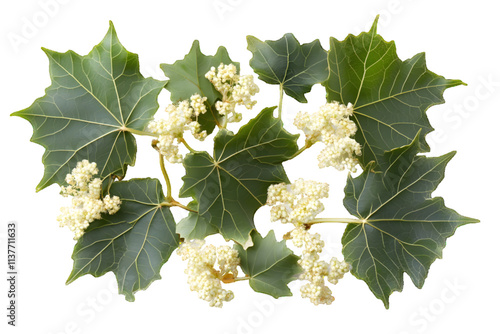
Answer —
460 39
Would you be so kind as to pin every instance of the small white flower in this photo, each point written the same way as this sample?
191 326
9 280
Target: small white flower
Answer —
332 126
86 204
179 118
315 270
235 90
202 276
297 203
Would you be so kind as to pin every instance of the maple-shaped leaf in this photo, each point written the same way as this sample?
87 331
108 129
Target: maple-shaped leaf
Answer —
390 96
269 264
134 243
232 185
194 226
285 62
402 228
187 77
90 109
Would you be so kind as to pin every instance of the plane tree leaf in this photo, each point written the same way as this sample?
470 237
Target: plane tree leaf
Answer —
187 77
269 264
90 109
286 62
194 226
402 228
390 96
232 185
134 243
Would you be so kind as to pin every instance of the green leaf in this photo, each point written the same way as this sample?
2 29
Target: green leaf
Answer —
134 243
232 185
403 228
288 63
195 226
90 108
269 264
187 77
390 96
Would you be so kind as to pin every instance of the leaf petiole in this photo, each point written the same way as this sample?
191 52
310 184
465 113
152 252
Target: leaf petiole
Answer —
335 220
280 105
305 147
138 132
182 140
165 176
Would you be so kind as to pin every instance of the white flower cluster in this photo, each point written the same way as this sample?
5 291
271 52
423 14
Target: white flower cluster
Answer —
315 270
296 203
179 118
86 204
332 126
235 90
202 276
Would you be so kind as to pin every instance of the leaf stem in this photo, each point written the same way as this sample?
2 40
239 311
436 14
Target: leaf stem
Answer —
138 132
246 278
173 202
165 176
229 278
182 140
280 105
336 220
305 147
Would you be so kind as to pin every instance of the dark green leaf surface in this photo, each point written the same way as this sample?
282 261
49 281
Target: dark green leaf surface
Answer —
195 226
390 96
286 62
232 185
404 229
134 243
88 108
269 264
187 77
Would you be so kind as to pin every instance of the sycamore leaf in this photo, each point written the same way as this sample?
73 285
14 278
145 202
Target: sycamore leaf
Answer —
90 108
403 229
269 264
232 185
195 226
288 63
187 77
134 243
390 96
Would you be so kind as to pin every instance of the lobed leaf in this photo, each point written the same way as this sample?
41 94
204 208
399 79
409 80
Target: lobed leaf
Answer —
90 108
187 77
134 243
403 228
232 185
269 264
194 226
390 96
286 62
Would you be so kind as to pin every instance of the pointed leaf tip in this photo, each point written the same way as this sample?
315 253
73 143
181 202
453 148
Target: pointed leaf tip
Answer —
83 110
373 29
295 67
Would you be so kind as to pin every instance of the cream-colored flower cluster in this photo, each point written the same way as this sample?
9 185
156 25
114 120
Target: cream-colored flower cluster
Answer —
332 126
179 119
315 270
299 203
202 276
296 203
235 90
86 203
